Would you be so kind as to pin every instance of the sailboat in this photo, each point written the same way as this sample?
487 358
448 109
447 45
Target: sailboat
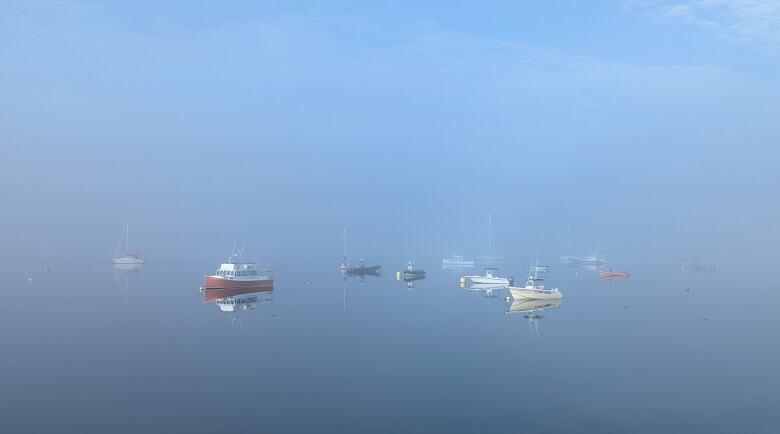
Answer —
344 266
456 262
129 258
491 259
361 269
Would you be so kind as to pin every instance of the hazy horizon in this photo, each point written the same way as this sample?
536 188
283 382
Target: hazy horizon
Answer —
642 131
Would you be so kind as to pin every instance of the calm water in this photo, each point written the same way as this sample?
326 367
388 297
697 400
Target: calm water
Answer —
664 351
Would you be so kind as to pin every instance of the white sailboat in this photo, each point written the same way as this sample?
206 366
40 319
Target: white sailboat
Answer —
344 266
490 258
129 258
456 262
532 290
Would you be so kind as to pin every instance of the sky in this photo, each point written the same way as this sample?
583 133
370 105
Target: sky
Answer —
644 128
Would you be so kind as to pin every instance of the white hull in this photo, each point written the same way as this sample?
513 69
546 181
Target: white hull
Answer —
128 260
454 263
484 280
535 294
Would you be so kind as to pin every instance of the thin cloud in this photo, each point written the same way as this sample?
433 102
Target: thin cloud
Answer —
753 22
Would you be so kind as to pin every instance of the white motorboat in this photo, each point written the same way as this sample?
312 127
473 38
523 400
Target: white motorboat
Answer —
456 261
532 290
585 261
488 278
129 258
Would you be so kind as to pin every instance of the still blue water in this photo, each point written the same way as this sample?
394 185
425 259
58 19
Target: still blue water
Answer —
664 351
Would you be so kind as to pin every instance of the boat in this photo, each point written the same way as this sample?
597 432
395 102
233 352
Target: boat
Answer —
534 291
585 261
488 278
129 257
237 277
360 269
456 261
344 266
411 272
694 264
491 259
609 275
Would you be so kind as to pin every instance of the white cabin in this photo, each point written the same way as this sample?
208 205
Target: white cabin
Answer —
247 270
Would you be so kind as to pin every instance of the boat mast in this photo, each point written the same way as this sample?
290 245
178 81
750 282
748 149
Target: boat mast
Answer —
490 234
127 236
345 244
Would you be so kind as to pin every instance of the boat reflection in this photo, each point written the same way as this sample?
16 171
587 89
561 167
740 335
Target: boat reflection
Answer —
532 310
410 275
243 302
490 290
122 273
411 279
694 264
361 271
133 268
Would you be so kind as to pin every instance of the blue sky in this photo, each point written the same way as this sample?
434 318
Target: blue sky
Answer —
140 109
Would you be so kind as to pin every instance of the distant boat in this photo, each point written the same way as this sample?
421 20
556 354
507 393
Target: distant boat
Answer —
694 264
456 262
344 266
585 261
491 259
532 290
412 273
613 274
360 269
129 258
239 277
488 278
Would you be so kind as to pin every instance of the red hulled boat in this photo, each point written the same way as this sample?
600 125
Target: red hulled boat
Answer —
613 274
236 278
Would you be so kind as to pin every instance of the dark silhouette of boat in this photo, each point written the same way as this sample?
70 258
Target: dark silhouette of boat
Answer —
364 270
412 274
